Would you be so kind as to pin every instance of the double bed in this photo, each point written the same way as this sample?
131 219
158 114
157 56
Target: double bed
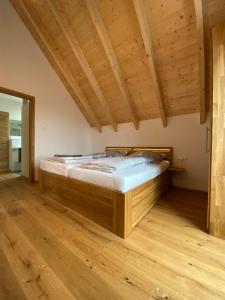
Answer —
115 201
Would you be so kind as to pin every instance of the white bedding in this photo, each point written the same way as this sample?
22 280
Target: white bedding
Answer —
124 180
69 160
56 167
114 164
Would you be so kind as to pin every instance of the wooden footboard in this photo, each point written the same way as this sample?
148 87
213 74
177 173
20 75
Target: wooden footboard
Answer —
116 211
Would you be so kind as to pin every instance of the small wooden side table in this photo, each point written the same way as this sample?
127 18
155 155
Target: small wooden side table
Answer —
175 169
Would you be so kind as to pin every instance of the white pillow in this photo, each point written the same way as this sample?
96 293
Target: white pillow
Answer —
153 156
116 153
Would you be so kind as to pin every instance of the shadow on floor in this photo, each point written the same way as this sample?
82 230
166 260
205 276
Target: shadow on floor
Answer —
188 204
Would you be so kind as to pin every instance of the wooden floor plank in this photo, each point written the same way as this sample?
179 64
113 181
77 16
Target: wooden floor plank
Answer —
161 278
73 240
168 256
33 274
8 175
9 287
76 276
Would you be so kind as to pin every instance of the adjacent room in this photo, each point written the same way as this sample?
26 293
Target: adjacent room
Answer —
14 136
112 144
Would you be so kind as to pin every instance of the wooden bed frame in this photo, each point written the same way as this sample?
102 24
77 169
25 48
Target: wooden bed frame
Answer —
118 212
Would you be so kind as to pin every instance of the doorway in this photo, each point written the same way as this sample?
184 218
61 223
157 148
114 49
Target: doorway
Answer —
16 135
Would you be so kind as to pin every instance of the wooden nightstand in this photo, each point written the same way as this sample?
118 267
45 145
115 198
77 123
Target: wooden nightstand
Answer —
175 169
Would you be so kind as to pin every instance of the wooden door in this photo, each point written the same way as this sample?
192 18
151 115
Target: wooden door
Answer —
4 141
217 195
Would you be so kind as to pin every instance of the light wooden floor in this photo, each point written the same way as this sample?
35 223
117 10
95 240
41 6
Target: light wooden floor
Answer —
49 252
8 175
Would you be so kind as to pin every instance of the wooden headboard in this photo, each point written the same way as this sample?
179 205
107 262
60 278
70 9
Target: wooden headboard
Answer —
167 151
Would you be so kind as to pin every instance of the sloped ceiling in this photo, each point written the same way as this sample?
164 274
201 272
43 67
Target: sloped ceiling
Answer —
123 60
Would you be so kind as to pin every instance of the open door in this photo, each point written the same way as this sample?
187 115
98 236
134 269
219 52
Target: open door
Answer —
28 117
4 141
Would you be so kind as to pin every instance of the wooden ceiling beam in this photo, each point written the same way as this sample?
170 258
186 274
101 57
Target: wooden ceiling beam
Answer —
112 58
62 67
147 39
78 53
200 31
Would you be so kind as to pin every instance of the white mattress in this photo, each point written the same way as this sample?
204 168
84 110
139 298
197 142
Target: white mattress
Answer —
57 168
122 181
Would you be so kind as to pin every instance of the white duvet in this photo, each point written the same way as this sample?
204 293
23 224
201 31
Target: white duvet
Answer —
123 181
114 164
57 167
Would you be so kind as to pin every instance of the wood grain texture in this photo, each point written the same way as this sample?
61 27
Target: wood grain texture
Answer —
111 209
145 196
150 54
214 13
79 55
178 66
9 287
217 200
107 45
200 29
58 63
4 141
8 175
166 151
55 253
118 212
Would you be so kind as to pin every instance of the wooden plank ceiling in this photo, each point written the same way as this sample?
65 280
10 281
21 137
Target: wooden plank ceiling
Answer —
122 60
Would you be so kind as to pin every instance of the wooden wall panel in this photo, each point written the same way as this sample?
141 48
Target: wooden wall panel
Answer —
217 202
214 13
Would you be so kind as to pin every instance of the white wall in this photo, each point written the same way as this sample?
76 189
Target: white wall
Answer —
13 107
58 123
184 134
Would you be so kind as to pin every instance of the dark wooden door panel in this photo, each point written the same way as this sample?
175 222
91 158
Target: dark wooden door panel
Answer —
4 141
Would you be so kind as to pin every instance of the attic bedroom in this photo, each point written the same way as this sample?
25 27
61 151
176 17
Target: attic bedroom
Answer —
112 149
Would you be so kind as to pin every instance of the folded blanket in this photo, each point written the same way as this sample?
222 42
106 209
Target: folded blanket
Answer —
70 160
68 155
114 164
76 158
